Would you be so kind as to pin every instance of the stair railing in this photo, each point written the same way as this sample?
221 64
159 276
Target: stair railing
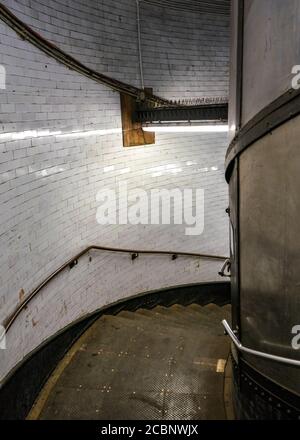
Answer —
74 261
239 346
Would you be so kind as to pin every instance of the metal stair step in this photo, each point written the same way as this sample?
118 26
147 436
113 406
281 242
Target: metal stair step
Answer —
177 321
211 310
185 317
191 315
161 325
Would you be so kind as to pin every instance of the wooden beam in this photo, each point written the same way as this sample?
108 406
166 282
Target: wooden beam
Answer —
133 134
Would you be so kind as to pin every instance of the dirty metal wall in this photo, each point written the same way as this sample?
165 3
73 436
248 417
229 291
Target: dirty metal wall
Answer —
269 250
265 158
270 52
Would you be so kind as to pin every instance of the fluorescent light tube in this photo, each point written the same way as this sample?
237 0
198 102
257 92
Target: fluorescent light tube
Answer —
188 129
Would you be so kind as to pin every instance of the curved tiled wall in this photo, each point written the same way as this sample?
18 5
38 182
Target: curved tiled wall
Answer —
61 142
185 54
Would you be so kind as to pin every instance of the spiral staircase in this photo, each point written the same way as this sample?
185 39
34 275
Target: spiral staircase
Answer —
163 363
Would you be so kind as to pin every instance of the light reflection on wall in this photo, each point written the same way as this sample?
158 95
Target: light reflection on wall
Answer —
31 134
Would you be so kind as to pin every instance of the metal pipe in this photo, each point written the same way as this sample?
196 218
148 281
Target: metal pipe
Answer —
55 52
140 43
256 353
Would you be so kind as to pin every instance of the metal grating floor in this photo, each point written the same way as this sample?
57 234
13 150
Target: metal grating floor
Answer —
167 363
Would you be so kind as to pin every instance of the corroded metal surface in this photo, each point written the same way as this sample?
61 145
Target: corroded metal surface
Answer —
166 363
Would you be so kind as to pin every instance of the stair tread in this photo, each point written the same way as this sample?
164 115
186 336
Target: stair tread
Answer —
163 325
193 314
169 358
179 318
187 311
208 309
187 317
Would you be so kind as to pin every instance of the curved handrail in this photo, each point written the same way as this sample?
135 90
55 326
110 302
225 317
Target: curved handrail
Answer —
73 262
55 52
141 95
260 354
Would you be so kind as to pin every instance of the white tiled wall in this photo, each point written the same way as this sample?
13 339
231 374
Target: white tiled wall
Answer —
185 55
49 179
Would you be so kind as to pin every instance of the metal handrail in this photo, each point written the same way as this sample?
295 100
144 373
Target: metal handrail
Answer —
55 52
74 261
50 49
260 354
226 267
